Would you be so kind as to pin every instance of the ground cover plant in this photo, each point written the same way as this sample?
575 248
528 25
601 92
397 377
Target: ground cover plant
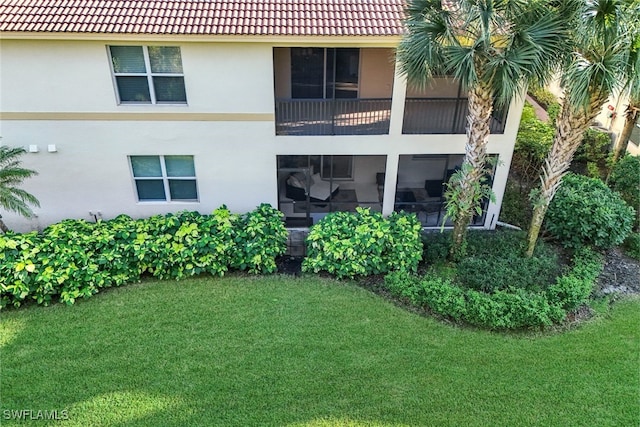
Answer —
75 259
273 351
495 286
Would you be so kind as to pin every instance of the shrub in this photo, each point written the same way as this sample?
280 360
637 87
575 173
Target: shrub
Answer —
625 179
510 310
260 240
553 110
516 208
533 142
632 245
574 288
585 211
435 246
363 243
543 96
591 156
496 262
74 258
501 309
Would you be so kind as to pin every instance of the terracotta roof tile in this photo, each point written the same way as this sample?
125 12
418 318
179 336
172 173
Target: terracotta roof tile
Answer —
205 17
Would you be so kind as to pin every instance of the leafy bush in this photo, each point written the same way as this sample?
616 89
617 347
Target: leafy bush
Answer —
516 208
496 262
625 179
363 243
553 110
533 142
261 238
585 211
591 156
74 258
501 309
543 96
574 288
632 245
435 246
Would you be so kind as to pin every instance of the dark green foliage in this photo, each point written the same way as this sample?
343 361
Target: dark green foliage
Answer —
435 247
625 179
591 156
543 97
74 258
632 245
516 208
533 142
553 111
501 309
574 288
585 211
363 243
496 262
260 239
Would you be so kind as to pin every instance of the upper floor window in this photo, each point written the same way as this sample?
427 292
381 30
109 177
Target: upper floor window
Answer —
148 74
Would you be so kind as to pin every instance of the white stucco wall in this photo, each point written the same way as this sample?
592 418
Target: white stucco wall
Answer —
75 76
227 126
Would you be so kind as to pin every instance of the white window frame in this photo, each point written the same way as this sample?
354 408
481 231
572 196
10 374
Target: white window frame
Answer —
165 179
148 74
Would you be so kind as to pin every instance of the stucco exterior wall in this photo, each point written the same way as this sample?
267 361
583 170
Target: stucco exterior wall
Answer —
61 93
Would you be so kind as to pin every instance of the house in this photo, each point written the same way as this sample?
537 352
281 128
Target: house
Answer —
146 108
612 117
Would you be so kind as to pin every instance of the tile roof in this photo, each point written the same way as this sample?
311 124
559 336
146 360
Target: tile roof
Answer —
201 17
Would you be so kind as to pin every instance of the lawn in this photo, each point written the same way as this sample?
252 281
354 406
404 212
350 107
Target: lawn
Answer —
259 351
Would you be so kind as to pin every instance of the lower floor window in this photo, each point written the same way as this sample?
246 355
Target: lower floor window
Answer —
164 178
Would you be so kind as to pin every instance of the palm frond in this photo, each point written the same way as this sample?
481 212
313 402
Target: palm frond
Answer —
12 174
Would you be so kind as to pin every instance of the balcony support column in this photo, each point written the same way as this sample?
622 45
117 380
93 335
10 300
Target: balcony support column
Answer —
397 102
390 183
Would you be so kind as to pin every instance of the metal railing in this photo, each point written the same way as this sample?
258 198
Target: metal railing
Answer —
333 116
443 116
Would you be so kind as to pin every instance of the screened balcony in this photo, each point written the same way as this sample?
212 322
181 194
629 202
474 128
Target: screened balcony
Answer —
333 116
442 108
333 91
443 116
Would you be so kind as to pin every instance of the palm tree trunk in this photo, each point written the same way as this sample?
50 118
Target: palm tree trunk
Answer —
3 226
478 131
570 128
631 118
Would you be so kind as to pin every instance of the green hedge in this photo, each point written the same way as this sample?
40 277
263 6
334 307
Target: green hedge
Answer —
585 211
74 258
625 179
502 309
363 243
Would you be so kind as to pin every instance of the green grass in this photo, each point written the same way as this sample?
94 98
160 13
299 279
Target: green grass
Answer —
242 351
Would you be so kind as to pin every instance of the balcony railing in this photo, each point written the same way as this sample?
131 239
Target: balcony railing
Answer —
333 116
443 116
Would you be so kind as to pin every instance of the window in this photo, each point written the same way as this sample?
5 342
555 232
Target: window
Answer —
148 75
635 135
164 178
337 167
324 73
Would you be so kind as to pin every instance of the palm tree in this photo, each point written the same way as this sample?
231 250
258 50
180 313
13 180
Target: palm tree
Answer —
600 49
493 47
13 198
632 112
